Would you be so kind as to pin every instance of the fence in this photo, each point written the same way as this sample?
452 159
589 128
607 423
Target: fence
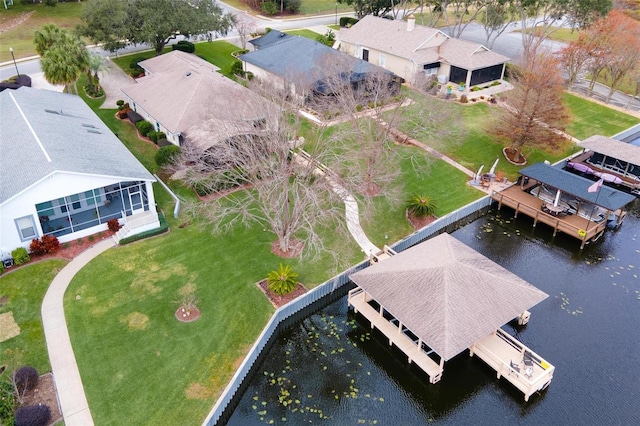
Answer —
314 300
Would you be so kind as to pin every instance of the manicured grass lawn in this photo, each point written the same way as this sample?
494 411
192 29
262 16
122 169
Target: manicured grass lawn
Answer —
421 174
24 289
218 53
308 7
559 34
64 15
304 33
589 118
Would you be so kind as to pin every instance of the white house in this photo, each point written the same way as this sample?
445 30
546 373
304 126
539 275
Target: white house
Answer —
63 172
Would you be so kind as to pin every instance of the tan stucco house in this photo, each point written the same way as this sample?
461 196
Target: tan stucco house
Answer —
414 51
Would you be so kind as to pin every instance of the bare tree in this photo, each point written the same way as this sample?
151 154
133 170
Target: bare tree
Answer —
245 28
275 187
533 114
458 14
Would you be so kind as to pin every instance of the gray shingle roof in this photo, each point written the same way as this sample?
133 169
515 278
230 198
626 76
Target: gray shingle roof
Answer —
273 36
613 148
448 294
393 38
43 132
301 59
569 183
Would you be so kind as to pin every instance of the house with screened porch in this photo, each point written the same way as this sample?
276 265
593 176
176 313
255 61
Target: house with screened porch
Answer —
64 173
416 52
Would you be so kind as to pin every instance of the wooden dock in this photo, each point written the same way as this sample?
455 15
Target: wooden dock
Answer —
396 333
574 225
512 360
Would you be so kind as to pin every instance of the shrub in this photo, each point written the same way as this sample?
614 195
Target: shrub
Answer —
185 46
166 154
144 127
120 103
293 5
283 280
113 225
464 99
135 69
1 272
347 21
163 142
46 244
8 401
25 379
155 136
20 256
420 205
328 38
33 415
269 8
237 69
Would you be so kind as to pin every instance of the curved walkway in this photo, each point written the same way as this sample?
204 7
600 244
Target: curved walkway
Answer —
73 402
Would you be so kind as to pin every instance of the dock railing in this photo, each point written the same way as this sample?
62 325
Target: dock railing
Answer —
286 314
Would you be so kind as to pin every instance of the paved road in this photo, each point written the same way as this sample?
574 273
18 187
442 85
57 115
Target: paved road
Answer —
508 44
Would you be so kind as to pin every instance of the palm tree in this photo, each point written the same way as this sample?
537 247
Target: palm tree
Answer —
46 38
420 205
283 280
65 60
96 63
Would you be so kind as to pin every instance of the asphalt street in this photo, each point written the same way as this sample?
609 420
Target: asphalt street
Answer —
508 44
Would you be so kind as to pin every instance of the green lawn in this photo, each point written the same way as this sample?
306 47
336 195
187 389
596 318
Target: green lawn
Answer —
566 35
64 15
589 118
304 33
422 174
308 7
24 289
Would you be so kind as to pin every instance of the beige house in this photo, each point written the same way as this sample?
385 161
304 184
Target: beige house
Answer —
182 94
414 51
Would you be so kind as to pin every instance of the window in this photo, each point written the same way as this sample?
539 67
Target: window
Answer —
26 228
76 201
383 60
45 209
431 69
365 55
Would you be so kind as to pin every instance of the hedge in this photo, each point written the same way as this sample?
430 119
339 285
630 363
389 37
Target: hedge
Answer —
347 21
185 46
164 227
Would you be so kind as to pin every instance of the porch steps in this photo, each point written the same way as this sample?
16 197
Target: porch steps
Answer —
132 223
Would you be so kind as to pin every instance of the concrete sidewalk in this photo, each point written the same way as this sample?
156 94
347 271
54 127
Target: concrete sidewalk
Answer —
73 402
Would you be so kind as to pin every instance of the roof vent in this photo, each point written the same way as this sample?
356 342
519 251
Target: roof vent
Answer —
88 125
188 73
94 131
51 111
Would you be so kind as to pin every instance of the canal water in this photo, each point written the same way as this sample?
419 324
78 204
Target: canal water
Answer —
331 369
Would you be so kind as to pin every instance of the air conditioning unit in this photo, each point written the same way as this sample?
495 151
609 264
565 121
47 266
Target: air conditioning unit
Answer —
442 79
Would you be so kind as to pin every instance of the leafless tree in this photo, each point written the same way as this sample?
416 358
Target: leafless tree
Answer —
275 187
245 28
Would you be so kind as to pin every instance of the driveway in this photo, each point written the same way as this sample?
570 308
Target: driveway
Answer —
112 78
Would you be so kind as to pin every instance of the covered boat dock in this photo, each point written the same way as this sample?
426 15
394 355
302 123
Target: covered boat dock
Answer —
439 298
562 200
616 162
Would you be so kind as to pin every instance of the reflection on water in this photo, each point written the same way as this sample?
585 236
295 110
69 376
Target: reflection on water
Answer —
332 369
